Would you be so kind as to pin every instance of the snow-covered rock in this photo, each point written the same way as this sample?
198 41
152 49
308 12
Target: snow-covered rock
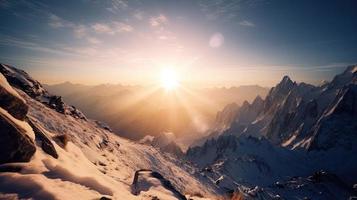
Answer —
11 100
15 144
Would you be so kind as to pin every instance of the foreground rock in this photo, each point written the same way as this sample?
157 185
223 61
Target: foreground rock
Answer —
15 145
46 143
11 101
142 182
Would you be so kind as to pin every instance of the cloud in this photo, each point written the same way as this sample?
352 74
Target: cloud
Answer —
58 22
247 23
93 40
5 4
158 20
80 31
139 15
219 9
102 28
112 28
24 44
117 5
122 27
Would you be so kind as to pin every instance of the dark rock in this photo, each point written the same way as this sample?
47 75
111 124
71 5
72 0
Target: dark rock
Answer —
105 198
61 140
316 177
15 145
279 184
10 168
164 182
13 104
103 125
46 143
354 187
57 103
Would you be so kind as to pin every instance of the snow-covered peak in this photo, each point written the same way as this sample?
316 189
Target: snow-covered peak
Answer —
351 69
286 80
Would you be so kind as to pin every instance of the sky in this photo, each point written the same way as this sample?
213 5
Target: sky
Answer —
208 42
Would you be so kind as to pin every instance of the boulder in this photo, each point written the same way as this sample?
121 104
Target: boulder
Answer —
46 143
61 140
10 101
135 188
15 144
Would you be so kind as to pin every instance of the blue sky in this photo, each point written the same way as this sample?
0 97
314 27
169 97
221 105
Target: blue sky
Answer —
212 42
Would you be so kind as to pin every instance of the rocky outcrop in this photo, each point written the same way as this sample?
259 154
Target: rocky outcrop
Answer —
10 101
46 143
61 140
152 174
21 80
15 144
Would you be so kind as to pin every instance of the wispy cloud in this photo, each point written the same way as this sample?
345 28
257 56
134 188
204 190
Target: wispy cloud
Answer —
102 28
138 14
247 23
80 31
87 32
159 20
93 40
117 5
219 9
21 43
57 22
5 4
112 28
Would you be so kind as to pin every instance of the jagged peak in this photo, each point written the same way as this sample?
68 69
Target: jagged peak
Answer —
257 99
351 69
233 104
245 103
286 79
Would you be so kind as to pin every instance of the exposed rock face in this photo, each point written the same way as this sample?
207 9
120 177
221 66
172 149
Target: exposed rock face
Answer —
11 102
15 145
144 173
338 126
300 115
22 80
46 143
61 140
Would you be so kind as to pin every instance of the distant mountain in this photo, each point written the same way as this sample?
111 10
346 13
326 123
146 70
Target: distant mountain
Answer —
192 110
298 130
166 142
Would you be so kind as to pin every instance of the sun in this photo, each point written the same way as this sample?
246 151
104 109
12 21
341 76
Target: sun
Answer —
169 79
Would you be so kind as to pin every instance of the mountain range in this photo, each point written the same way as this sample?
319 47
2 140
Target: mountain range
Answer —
281 144
295 143
121 106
